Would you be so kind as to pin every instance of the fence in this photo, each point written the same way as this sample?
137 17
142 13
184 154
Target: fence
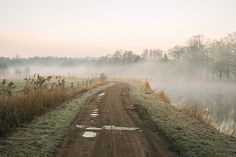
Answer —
37 82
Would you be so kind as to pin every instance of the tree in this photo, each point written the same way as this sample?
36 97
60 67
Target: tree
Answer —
231 45
152 54
196 53
127 56
117 56
177 52
145 54
221 58
165 58
156 54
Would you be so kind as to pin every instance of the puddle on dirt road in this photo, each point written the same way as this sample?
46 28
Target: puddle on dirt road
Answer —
93 128
95 110
90 129
93 115
118 128
102 94
89 134
80 126
109 127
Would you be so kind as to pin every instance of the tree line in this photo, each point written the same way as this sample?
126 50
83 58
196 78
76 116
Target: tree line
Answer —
215 58
211 59
208 59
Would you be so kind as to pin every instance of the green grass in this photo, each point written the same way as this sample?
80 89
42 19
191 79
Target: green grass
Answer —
41 137
186 135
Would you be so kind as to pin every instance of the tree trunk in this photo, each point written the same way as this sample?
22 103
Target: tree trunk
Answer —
228 72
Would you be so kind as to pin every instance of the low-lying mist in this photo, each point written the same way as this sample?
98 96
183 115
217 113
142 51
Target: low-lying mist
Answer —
216 96
184 88
200 73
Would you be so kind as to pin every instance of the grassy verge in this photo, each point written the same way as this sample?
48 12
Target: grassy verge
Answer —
186 134
205 114
41 137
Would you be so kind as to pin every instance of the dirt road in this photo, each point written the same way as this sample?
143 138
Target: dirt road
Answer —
110 126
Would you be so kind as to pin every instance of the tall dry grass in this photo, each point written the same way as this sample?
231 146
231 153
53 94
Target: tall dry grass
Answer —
206 116
36 99
198 112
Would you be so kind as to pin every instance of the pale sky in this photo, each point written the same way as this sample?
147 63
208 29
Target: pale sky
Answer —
76 28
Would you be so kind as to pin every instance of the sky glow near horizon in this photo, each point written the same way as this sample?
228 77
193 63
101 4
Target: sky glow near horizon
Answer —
79 28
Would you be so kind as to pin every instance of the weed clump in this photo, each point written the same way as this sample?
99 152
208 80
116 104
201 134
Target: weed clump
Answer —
147 88
159 94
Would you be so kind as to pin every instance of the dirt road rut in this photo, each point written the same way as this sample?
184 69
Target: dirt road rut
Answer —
110 126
